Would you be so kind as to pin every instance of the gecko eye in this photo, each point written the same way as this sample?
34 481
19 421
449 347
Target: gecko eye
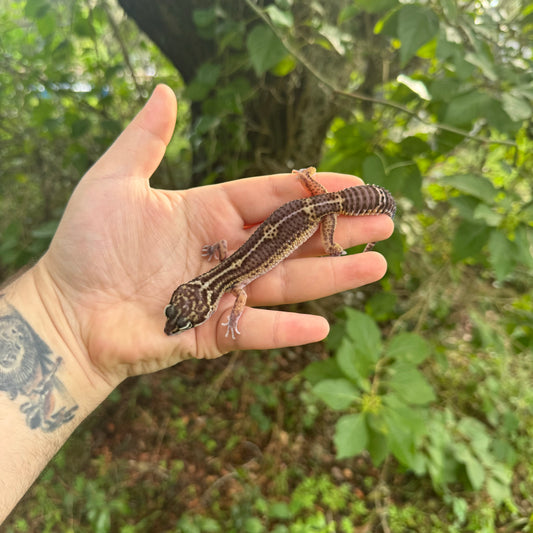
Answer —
170 311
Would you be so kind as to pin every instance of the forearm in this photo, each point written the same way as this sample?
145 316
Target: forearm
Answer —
46 387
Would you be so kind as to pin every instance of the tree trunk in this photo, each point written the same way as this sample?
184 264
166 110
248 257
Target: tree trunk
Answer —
284 122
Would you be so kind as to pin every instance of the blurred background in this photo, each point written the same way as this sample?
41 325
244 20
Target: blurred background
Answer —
416 414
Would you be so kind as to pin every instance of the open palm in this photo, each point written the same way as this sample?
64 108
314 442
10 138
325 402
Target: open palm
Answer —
123 247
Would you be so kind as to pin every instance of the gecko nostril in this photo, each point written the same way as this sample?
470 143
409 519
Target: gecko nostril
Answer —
183 324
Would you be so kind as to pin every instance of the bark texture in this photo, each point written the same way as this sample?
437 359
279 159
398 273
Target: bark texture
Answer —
284 122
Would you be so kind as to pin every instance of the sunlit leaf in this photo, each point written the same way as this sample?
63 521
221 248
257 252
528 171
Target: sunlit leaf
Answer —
417 86
279 17
516 106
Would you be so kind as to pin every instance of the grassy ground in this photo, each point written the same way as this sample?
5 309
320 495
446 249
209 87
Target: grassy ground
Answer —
236 444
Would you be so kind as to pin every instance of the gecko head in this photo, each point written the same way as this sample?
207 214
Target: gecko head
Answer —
187 309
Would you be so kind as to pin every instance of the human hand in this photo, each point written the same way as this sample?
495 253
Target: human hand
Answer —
123 247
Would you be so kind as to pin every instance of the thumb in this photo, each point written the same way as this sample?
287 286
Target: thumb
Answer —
140 147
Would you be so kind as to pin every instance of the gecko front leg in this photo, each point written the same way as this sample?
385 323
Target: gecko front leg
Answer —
218 250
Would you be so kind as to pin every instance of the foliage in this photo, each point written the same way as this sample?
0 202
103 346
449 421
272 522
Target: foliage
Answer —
389 405
430 386
68 86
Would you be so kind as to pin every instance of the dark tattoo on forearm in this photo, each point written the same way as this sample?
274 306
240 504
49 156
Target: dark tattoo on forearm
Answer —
28 374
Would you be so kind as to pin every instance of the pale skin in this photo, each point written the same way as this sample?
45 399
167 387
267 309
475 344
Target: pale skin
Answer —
95 300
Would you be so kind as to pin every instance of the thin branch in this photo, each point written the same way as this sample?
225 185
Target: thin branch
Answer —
363 97
123 47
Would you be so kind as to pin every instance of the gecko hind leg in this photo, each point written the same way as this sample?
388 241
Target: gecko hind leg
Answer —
329 222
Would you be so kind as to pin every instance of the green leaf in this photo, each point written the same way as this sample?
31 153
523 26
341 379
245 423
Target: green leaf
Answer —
204 18
346 360
486 214
365 335
82 26
321 370
517 107
417 86
468 240
35 9
475 472
336 393
442 88
474 469
351 435
279 511
417 25
502 254
377 446
265 48
474 185
381 305
466 207
334 37
498 491
47 24
524 243
465 108
285 66
413 146
208 74
205 79
409 384
484 62
281 19
476 433
373 170
408 347
353 365
406 180
469 107
404 428
499 483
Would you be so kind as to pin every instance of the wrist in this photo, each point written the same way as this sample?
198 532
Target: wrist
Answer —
46 386
46 316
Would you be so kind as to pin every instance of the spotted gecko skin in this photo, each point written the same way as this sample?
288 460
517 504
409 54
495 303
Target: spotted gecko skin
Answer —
287 228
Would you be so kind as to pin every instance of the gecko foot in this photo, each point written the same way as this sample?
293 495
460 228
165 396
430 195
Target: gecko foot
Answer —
218 250
335 250
232 326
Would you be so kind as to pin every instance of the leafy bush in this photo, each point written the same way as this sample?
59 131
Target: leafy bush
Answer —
390 409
